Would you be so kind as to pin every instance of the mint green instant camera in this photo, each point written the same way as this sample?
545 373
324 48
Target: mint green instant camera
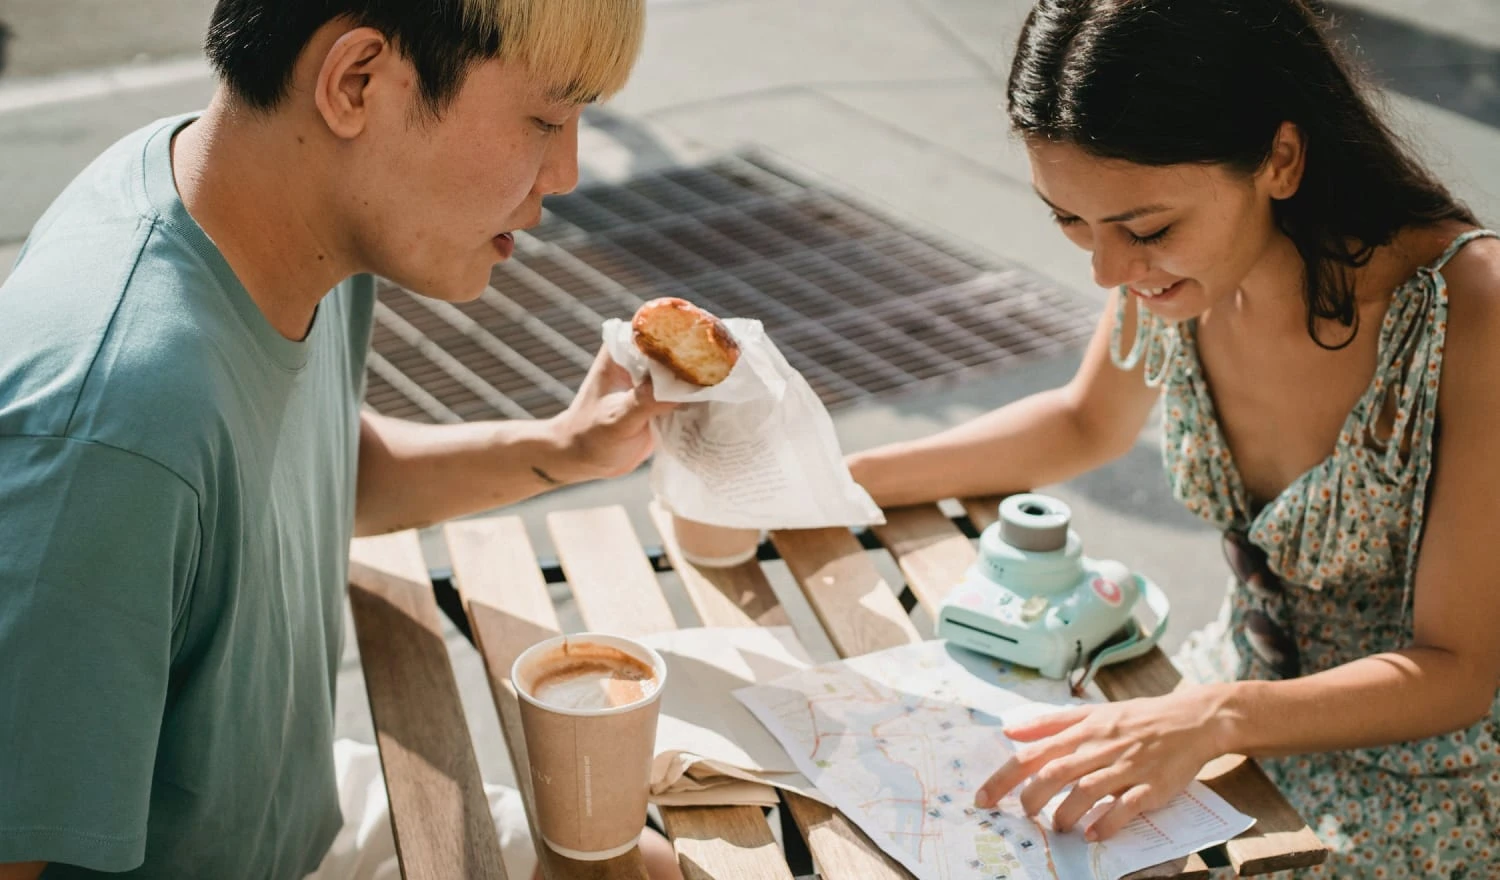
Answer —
1033 599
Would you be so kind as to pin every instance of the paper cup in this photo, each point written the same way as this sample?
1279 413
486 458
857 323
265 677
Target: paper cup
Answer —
709 546
590 767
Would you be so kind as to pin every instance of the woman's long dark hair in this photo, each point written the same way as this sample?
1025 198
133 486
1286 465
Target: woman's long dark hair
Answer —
1164 82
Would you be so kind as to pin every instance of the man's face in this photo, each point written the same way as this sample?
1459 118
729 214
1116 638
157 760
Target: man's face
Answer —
431 202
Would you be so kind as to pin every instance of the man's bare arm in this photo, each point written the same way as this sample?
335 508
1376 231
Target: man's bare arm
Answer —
413 475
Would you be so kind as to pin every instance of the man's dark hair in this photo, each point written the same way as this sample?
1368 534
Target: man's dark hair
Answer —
254 44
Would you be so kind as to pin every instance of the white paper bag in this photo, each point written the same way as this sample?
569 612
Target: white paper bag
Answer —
756 451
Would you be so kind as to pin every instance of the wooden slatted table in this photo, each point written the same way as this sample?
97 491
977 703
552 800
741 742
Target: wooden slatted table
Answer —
438 809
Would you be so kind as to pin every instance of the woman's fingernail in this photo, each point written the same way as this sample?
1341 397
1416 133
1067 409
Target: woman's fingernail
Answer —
982 799
1091 835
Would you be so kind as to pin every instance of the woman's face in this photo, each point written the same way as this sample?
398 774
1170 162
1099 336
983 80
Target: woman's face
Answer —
1180 238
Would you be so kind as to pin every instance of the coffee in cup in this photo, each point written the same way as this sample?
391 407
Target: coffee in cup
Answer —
589 707
588 675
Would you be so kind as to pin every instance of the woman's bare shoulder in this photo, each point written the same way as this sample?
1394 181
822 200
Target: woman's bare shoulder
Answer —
1475 270
1471 357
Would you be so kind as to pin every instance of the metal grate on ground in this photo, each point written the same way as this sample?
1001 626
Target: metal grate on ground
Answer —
862 305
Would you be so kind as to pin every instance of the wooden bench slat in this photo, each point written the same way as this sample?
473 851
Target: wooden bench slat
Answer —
983 510
608 571
439 814
500 570
930 551
509 610
738 596
842 850
1149 675
724 843
1280 838
853 602
618 591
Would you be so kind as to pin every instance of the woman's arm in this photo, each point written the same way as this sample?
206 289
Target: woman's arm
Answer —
1038 440
1146 751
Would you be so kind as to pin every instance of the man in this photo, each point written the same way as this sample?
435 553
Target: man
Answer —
182 454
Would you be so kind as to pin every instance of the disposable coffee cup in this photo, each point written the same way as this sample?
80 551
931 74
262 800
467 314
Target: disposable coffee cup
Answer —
709 546
589 705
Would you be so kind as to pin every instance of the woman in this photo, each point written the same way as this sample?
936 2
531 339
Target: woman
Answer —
1319 315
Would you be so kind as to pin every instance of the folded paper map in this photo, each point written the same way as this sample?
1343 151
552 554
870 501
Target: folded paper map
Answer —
901 740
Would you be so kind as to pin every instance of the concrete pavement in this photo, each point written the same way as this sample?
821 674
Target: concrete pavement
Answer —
49 37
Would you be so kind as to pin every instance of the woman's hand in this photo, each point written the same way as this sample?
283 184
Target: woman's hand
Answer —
1143 752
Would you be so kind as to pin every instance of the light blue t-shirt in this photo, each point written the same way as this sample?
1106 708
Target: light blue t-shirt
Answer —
176 501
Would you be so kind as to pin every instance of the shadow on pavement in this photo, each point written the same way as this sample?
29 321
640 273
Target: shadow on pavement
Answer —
5 35
646 151
1134 485
1449 72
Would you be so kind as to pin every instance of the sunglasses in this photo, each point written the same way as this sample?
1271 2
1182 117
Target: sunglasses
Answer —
1270 639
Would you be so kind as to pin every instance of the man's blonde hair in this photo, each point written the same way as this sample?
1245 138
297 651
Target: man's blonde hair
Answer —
583 49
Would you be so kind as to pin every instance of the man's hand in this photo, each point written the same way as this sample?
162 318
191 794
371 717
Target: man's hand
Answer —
606 430
23 871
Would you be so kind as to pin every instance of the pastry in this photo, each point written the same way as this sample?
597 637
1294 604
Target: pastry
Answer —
693 344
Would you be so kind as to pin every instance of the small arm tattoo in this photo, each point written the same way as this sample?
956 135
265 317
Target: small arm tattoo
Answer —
546 477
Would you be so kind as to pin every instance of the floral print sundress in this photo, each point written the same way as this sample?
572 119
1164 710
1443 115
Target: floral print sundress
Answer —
1337 551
